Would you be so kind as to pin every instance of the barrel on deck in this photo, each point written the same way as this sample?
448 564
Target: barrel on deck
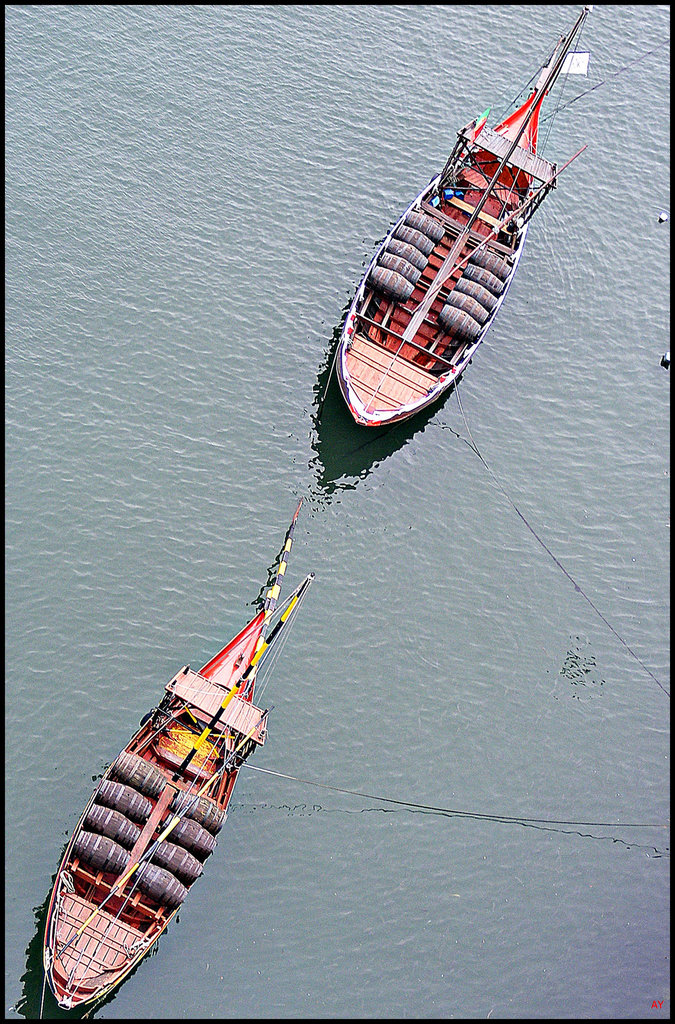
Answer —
124 799
393 285
485 277
193 837
487 300
408 252
100 853
161 885
108 822
400 265
416 238
488 260
458 323
138 773
429 226
205 811
178 861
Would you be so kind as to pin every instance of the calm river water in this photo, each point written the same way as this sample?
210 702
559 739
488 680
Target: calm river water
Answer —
192 193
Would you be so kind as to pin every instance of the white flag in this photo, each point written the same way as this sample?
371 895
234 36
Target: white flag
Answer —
576 63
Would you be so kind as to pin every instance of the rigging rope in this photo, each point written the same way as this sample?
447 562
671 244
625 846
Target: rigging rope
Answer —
268 663
472 444
604 81
456 812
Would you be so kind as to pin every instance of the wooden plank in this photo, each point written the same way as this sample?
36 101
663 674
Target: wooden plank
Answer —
151 824
498 145
382 380
456 227
395 334
103 946
467 208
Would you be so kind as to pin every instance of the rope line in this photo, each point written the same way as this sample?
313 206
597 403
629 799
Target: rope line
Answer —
473 446
604 81
455 812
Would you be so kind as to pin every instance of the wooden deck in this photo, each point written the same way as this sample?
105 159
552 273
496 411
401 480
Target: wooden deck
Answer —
104 947
381 379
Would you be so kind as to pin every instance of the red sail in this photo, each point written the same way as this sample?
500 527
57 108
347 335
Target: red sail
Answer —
227 666
510 127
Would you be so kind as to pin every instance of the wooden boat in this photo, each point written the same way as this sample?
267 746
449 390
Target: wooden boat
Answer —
151 823
439 278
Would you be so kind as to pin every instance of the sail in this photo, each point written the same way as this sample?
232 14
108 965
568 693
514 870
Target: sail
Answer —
511 126
226 667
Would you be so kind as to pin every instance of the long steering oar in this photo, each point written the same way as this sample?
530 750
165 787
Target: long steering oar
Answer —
273 592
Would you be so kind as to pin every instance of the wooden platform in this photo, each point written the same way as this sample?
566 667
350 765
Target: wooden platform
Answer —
205 696
381 379
104 947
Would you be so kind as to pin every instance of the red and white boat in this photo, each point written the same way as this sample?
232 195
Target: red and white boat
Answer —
439 278
151 823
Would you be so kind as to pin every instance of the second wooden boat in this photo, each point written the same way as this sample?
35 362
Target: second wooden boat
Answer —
439 278
151 823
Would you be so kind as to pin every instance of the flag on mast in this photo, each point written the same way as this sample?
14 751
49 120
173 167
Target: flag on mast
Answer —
480 124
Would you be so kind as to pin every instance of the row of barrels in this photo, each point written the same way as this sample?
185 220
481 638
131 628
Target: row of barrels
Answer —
399 267
475 296
115 819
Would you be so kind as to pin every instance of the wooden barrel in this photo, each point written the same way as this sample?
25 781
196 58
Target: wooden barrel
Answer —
463 301
193 837
408 252
497 265
205 811
391 284
414 237
458 323
100 853
124 799
161 885
485 277
138 773
477 292
401 266
178 861
112 824
426 224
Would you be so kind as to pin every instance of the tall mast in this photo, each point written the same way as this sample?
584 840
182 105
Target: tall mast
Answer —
543 85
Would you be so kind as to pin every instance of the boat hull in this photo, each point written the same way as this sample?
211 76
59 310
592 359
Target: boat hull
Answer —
91 945
150 825
368 411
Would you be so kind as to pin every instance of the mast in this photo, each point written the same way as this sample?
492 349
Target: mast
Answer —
544 85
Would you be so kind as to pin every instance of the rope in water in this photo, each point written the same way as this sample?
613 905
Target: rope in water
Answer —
474 447
456 812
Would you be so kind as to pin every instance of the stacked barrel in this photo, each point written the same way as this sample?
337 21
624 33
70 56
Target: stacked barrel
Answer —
475 296
400 265
113 823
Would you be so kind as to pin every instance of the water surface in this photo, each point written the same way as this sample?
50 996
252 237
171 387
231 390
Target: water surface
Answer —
192 194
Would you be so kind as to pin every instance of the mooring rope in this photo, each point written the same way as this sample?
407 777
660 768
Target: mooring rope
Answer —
474 447
454 811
